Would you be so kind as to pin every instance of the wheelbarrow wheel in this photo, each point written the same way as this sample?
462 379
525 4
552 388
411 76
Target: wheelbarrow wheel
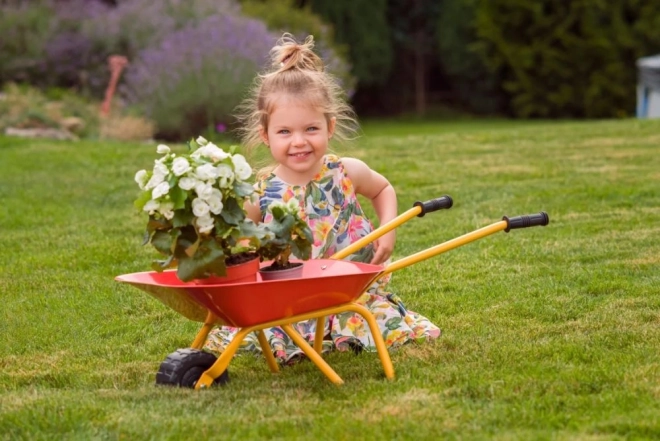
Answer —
183 368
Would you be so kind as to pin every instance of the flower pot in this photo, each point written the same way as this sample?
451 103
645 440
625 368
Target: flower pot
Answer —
238 273
272 273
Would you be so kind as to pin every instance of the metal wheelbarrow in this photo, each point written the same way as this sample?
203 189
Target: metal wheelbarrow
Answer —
326 287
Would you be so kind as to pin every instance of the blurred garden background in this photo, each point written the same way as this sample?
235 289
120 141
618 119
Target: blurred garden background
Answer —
510 106
188 63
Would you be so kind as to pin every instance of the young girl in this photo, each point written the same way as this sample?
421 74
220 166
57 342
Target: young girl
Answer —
295 110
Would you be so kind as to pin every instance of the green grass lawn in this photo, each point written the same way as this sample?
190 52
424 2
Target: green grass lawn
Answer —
548 333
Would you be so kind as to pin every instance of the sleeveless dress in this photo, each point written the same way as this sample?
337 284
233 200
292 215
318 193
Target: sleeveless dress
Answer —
334 214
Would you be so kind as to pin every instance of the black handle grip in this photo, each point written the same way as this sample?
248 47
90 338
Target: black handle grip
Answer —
527 220
434 204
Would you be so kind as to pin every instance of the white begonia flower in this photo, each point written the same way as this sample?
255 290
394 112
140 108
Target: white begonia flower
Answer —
215 193
204 190
215 201
241 166
159 174
155 180
160 169
187 183
141 178
215 153
167 210
151 206
206 172
293 206
160 190
211 151
225 175
205 224
201 140
200 208
162 149
180 166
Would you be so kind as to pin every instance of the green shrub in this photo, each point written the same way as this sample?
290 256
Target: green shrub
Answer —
361 25
475 86
283 16
567 59
26 29
24 106
27 107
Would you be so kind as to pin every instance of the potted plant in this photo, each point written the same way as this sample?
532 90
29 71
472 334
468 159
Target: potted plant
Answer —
195 202
290 236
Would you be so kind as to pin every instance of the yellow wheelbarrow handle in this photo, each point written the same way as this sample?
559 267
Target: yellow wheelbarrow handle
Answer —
419 209
506 224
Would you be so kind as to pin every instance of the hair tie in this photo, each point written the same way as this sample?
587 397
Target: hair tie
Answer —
285 60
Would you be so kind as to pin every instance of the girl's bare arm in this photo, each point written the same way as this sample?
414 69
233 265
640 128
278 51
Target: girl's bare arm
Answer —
380 192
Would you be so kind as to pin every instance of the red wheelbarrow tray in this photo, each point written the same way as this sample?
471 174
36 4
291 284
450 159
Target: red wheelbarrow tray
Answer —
324 283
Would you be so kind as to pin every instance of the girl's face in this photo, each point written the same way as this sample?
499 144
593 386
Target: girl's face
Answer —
297 136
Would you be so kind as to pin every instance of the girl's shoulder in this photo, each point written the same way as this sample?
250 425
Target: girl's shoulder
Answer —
332 162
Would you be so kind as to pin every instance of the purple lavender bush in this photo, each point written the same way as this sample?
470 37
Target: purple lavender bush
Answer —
193 80
26 29
42 42
135 25
190 62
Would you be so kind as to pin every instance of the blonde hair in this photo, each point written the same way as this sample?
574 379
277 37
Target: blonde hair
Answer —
296 70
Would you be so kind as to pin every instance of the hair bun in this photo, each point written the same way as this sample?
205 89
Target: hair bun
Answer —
289 54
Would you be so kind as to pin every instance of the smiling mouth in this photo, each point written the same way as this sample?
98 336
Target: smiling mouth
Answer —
299 155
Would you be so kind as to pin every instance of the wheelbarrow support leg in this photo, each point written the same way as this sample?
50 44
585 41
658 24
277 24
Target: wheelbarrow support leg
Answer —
221 364
319 334
203 333
312 354
384 356
268 353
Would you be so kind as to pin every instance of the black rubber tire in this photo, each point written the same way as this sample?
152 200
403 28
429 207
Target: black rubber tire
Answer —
183 368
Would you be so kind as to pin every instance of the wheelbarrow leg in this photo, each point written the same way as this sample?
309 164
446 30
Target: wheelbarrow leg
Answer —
384 356
221 364
203 333
319 334
265 348
312 354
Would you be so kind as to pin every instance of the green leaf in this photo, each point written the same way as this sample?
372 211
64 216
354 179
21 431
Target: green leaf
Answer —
249 229
232 213
192 249
182 218
209 259
160 265
243 189
146 237
178 196
142 200
281 229
157 224
162 241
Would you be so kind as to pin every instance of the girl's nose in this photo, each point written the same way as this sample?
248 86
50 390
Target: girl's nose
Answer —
298 140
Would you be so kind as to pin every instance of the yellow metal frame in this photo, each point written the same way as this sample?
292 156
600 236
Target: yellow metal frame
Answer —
314 353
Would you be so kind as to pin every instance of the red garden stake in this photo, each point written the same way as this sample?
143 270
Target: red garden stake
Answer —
117 63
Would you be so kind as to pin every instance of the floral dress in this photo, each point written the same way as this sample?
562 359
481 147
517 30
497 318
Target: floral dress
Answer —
334 214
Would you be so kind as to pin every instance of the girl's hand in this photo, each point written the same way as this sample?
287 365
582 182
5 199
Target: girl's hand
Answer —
383 248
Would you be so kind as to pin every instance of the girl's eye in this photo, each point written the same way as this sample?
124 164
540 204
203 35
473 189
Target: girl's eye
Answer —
283 132
312 129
